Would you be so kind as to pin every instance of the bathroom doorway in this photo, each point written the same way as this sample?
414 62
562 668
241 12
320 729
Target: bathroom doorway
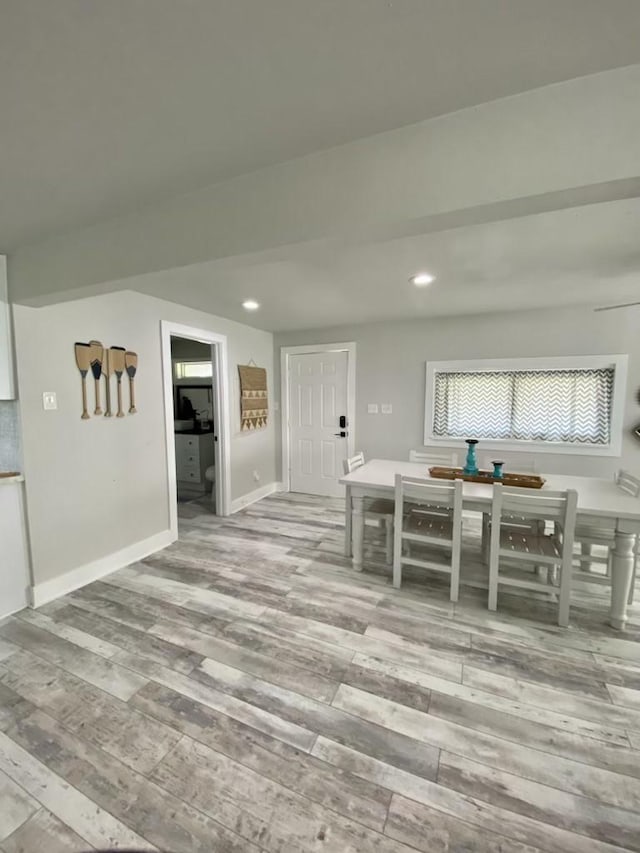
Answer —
193 364
196 414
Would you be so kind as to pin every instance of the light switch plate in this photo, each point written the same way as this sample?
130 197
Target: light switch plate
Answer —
386 409
372 408
49 400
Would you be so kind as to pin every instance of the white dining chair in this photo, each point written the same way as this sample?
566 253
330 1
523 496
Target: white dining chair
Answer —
603 536
523 465
424 528
427 456
517 545
381 509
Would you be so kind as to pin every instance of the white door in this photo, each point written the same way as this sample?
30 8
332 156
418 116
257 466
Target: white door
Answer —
317 400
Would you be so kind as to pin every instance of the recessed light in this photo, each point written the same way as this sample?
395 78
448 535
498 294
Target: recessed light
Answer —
250 305
421 279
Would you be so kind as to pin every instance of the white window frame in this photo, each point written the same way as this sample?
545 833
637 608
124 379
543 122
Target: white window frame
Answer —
178 372
583 362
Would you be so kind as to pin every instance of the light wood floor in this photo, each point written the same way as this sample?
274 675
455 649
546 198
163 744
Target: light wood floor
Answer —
244 690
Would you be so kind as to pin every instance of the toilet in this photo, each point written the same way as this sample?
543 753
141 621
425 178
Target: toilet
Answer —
210 477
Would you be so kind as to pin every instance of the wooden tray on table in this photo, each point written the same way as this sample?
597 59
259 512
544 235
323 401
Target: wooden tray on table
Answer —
525 481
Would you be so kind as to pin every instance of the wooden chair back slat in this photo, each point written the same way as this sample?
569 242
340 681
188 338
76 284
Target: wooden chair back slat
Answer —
434 457
352 463
531 503
426 492
628 482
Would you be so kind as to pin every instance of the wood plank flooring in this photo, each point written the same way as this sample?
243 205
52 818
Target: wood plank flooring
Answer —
245 690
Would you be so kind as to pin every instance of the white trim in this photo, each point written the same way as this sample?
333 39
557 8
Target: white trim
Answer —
618 361
285 353
222 424
42 593
8 386
179 363
255 495
27 592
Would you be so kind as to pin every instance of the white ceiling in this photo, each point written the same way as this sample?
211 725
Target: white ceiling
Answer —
578 256
110 106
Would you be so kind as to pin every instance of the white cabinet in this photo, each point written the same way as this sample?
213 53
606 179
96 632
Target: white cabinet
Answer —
194 454
14 561
7 386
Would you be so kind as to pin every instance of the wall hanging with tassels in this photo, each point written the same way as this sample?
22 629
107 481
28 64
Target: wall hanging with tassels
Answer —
254 404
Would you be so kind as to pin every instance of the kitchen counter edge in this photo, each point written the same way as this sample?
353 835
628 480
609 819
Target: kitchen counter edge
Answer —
5 481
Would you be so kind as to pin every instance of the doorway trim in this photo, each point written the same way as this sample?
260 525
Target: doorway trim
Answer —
221 418
285 353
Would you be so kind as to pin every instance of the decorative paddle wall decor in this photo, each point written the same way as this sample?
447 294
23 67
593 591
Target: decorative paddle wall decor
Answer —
254 405
96 351
107 372
131 365
105 362
116 356
83 360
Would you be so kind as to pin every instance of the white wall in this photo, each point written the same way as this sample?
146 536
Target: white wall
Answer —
390 368
98 487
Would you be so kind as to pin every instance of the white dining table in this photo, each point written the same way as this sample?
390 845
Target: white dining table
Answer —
598 500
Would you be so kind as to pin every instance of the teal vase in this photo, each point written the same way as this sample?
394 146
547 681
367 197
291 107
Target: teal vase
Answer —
471 465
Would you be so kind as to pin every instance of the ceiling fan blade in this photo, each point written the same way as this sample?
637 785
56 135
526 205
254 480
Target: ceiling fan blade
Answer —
613 307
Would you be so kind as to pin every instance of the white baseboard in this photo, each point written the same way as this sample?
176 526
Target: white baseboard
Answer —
13 610
42 593
255 495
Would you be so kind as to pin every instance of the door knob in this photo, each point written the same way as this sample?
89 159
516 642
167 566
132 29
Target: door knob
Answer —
342 434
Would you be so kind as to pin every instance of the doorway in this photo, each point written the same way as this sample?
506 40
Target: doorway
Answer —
197 433
318 416
193 365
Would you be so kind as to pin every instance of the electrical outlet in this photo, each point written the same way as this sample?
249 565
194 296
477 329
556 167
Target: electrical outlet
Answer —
386 409
256 476
372 408
49 400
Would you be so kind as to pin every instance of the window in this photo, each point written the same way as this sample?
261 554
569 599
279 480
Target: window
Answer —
565 403
193 369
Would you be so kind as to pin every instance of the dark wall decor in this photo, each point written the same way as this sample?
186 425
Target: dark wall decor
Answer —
192 400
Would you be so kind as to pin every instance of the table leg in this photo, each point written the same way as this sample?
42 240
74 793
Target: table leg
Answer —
632 588
586 549
485 536
357 518
621 573
347 523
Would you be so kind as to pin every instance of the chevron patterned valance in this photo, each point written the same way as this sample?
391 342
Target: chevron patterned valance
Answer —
528 405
